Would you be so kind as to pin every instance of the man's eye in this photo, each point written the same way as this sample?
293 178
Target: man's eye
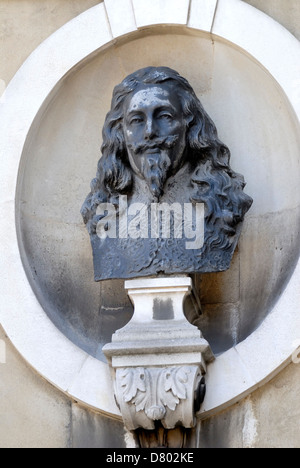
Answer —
136 120
165 116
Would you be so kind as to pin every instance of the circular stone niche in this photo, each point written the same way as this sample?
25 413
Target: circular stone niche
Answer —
253 118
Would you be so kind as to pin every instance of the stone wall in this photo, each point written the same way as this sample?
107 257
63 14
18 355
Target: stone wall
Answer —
27 23
35 414
269 418
286 12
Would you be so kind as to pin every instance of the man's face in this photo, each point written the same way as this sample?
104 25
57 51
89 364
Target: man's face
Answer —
155 134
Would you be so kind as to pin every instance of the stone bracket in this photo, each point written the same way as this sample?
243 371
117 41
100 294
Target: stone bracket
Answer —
159 358
146 395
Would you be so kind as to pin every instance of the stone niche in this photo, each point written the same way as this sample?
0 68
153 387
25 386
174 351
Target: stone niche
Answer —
253 118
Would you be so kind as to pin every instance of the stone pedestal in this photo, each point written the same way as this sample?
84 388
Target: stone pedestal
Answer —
159 358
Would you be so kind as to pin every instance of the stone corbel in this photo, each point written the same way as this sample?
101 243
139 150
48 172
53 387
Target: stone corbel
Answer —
159 358
149 394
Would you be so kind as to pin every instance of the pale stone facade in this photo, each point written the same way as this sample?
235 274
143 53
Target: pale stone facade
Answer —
33 412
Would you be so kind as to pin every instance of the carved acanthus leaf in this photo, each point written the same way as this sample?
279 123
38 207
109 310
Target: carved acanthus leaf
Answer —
142 399
175 380
133 381
155 390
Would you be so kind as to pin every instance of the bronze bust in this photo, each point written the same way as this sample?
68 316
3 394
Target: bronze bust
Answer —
165 199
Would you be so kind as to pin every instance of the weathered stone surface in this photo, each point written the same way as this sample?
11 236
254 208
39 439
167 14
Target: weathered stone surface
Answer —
287 14
93 430
277 410
37 22
267 419
224 430
228 317
33 414
220 288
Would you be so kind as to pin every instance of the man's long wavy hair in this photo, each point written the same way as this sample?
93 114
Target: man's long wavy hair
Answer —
213 182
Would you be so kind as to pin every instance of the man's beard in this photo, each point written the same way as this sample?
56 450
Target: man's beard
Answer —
155 170
155 167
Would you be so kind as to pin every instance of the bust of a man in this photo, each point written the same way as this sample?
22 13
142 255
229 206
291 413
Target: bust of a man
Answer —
165 200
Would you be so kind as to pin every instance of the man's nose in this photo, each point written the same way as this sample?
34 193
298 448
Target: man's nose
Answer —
150 129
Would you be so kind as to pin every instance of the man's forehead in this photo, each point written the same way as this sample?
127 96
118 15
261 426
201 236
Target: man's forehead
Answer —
149 96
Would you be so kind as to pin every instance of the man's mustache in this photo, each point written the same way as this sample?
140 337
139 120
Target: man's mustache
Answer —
160 143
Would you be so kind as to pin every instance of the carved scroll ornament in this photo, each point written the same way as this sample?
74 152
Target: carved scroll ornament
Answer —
150 394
